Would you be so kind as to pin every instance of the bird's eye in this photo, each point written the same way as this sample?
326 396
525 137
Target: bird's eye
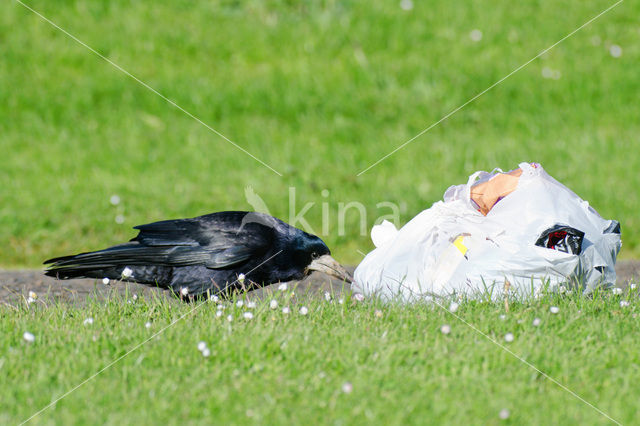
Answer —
314 255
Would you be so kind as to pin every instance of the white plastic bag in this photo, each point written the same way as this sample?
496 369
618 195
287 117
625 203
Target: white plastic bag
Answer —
453 249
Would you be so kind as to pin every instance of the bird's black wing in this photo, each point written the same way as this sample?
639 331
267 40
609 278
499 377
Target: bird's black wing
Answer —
218 240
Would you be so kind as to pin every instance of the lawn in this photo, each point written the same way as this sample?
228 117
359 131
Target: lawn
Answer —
319 91
349 363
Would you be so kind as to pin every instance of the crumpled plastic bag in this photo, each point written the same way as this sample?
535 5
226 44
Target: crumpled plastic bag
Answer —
522 227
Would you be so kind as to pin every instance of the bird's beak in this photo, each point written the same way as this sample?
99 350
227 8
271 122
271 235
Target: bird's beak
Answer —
330 266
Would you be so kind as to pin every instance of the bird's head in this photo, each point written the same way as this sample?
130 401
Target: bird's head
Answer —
312 254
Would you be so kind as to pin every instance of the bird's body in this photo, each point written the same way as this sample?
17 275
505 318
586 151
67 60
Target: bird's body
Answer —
205 255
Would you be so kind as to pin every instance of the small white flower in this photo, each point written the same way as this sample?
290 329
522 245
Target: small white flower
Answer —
445 329
30 338
240 303
115 200
624 303
241 278
273 304
347 387
214 298
285 310
218 314
251 304
134 297
502 317
475 35
562 289
105 281
536 322
119 219
30 300
378 313
406 5
341 301
248 315
230 318
327 296
202 346
206 352
453 307
633 286
127 272
508 337
88 321
283 287
554 309
33 295
617 291
504 414
358 297
304 310
147 324
615 50
184 291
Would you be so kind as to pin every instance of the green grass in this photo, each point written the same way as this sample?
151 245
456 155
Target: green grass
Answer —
278 368
319 91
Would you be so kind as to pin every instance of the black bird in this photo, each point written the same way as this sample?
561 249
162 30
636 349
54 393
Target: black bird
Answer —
207 255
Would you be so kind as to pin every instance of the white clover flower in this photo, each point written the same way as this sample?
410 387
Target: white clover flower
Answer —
147 324
304 310
406 5
105 281
633 286
347 387
624 303
536 322
248 315
615 51
283 287
285 310
475 35
504 414
230 318
554 309
184 291
273 304
445 329
88 321
202 346
214 298
119 219
341 301
114 200
358 297
508 337
127 272
28 337
617 291
241 278
327 296
218 314
502 317
251 304
206 353
240 303
453 307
